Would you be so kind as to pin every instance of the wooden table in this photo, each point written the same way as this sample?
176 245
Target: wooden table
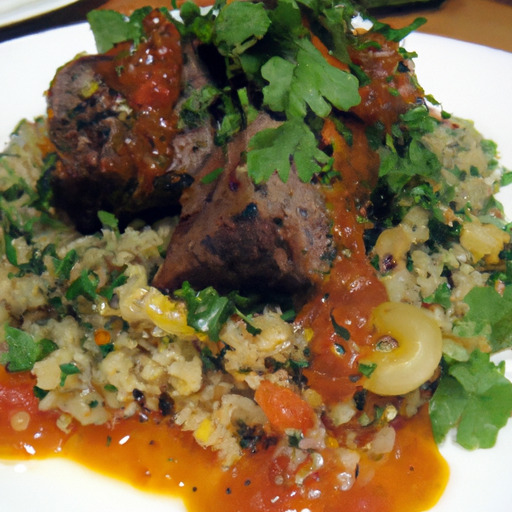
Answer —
487 22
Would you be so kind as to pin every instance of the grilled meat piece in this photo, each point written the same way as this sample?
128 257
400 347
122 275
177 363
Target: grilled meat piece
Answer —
116 132
234 234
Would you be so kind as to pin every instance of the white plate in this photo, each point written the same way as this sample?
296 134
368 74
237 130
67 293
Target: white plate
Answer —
14 11
471 81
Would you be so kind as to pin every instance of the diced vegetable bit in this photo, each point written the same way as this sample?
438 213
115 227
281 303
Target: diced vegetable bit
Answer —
473 396
284 408
23 351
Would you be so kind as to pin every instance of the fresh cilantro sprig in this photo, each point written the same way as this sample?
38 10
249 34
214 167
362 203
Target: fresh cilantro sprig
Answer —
111 27
307 82
273 150
474 397
275 60
489 315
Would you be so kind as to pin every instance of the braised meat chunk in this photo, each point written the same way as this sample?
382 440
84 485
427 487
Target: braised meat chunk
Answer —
113 120
234 234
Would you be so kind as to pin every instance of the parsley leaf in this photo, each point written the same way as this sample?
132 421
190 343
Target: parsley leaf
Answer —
84 285
476 398
441 296
396 35
404 155
63 266
109 221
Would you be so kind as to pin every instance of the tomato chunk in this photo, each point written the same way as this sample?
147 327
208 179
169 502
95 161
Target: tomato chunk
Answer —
284 408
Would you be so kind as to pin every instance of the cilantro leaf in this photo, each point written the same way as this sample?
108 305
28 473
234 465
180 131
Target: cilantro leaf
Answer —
233 33
440 296
476 398
63 266
490 314
117 278
396 35
310 82
23 351
404 155
111 27
109 221
273 149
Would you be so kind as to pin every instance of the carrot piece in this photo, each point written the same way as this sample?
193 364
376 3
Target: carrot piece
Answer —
284 408
101 337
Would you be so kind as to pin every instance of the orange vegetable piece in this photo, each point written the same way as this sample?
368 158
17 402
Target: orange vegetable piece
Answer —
101 337
284 408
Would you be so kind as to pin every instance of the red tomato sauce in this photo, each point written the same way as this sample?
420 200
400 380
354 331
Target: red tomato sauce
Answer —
150 80
156 456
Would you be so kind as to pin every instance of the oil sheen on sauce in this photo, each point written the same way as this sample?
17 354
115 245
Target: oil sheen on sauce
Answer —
156 457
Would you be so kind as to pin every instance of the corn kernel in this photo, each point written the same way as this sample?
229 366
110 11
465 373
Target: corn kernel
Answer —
204 431
483 240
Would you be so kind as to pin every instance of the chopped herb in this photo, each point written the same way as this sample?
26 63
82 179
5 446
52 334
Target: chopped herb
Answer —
39 393
339 329
397 35
85 285
207 310
109 221
490 315
23 351
211 361
117 278
295 438
63 267
67 369
367 368
212 176
105 349
441 296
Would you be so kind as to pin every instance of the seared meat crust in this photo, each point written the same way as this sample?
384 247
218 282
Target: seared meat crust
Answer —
234 234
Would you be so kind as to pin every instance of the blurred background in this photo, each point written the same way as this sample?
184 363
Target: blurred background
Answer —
486 22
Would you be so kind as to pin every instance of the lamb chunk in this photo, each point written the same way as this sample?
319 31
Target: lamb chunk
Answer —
116 134
235 235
